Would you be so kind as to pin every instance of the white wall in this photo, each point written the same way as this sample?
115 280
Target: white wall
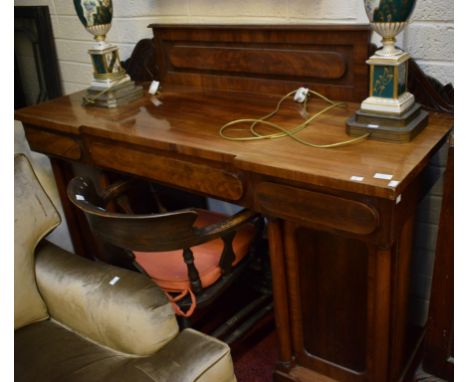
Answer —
429 38
41 164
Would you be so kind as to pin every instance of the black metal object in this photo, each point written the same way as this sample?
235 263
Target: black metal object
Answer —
248 324
20 98
248 311
41 37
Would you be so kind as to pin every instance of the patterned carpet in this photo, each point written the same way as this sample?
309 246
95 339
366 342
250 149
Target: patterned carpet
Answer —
257 363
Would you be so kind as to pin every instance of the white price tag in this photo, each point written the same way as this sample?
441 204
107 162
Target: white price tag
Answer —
153 89
114 280
357 178
379 175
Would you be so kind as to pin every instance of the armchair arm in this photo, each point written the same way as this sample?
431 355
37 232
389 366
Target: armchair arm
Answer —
115 307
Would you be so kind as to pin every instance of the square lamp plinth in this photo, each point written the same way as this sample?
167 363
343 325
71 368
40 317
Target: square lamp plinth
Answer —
390 113
111 86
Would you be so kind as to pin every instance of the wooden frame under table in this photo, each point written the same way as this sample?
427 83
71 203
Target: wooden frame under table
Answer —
340 249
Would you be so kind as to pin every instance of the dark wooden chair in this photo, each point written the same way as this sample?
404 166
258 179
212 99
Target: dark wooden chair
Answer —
192 254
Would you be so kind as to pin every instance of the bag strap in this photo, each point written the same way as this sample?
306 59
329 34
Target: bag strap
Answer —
174 299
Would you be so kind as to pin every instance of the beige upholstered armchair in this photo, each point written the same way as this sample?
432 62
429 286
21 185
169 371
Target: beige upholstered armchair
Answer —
78 320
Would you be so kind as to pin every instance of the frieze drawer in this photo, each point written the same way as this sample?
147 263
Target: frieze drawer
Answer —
316 208
52 143
213 181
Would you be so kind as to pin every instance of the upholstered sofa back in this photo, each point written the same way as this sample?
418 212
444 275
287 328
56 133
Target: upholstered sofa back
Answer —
35 216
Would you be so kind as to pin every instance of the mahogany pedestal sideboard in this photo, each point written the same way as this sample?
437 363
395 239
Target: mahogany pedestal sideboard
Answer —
340 246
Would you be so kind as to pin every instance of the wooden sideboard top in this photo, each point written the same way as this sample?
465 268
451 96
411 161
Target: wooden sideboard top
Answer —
186 121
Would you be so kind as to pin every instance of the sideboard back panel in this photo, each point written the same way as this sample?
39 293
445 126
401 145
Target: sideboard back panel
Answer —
275 59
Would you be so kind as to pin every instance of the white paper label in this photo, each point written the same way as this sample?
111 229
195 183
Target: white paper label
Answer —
378 175
79 197
393 183
154 87
357 178
114 281
156 102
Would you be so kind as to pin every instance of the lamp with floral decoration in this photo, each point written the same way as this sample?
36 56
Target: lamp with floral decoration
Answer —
111 85
390 112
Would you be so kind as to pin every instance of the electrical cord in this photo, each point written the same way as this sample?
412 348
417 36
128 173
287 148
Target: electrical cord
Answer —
283 132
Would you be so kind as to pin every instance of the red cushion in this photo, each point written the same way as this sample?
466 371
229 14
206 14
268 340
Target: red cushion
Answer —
169 270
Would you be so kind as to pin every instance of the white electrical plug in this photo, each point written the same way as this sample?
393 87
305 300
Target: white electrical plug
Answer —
301 94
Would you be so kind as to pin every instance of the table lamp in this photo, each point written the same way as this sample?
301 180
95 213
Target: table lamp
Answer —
111 85
390 112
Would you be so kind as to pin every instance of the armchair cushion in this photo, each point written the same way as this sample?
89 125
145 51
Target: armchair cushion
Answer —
46 351
35 217
112 306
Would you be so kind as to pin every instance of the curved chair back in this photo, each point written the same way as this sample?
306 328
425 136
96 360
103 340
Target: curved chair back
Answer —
149 232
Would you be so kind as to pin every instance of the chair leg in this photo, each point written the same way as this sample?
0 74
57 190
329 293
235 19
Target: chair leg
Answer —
255 305
248 324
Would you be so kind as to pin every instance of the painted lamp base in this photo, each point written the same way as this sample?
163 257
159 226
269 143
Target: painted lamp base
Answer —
111 86
386 127
390 112
388 105
101 84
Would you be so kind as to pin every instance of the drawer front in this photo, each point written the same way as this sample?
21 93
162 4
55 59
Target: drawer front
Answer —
177 172
315 208
52 143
